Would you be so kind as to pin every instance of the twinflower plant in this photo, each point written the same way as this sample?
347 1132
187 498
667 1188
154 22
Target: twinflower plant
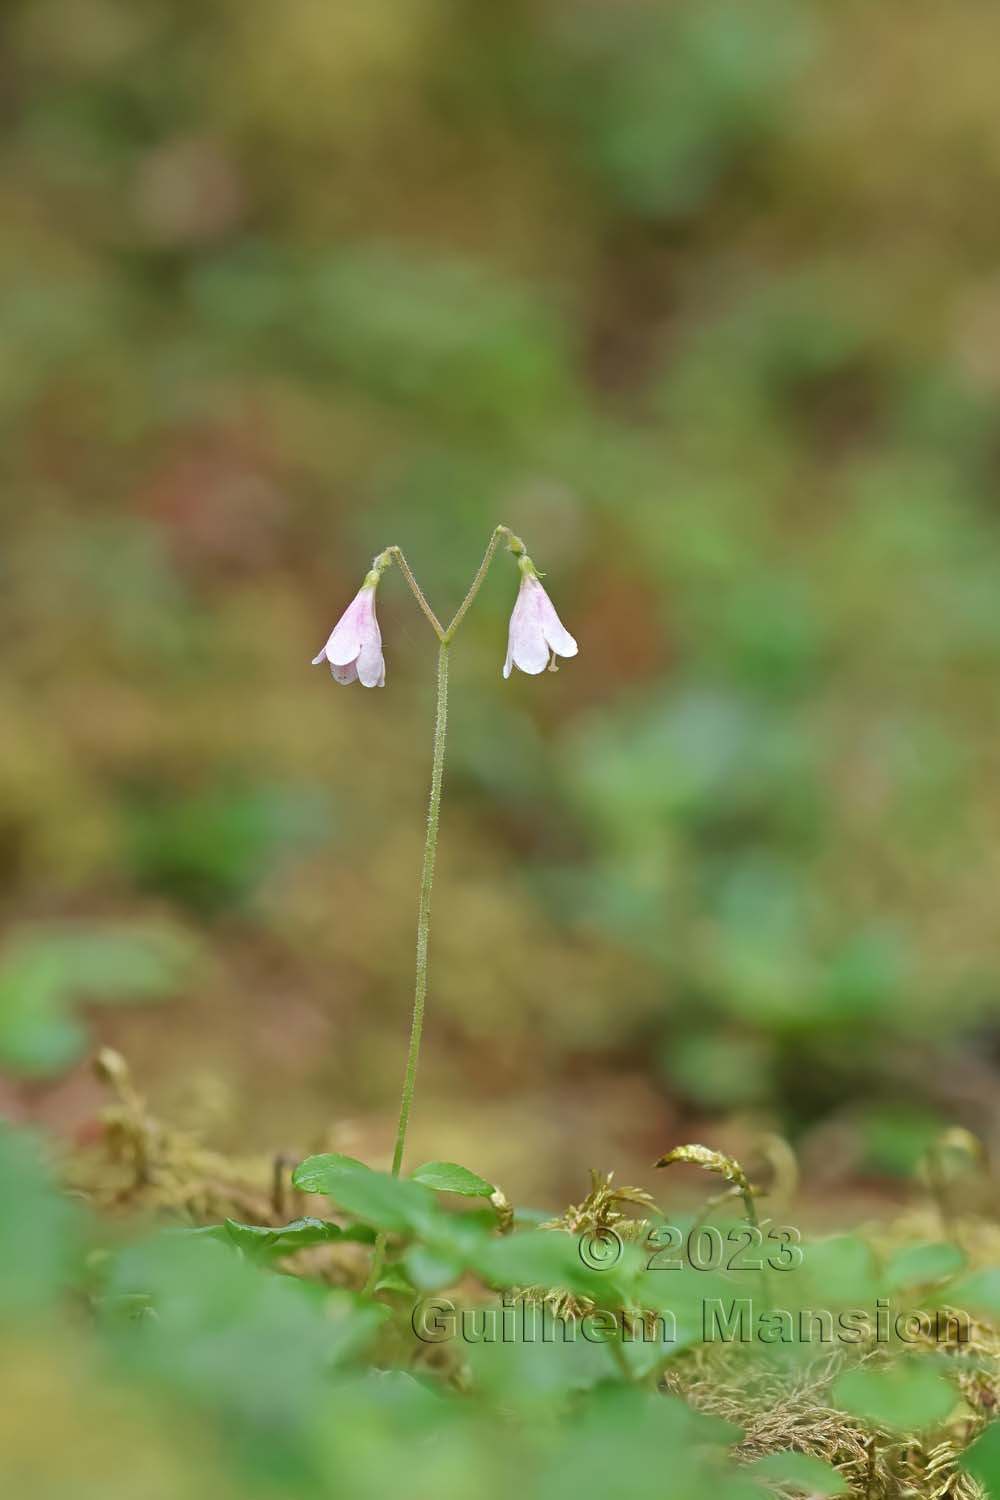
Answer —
354 653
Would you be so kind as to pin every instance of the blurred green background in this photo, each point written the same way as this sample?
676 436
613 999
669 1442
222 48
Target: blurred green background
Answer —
703 299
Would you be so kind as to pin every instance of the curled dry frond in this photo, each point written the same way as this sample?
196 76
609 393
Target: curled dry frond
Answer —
600 1209
955 1169
714 1161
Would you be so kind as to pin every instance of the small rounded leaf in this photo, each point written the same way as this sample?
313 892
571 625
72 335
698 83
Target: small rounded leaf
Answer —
375 1198
448 1177
904 1399
916 1265
800 1471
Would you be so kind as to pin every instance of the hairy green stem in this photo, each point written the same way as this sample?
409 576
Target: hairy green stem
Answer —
424 905
445 637
423 936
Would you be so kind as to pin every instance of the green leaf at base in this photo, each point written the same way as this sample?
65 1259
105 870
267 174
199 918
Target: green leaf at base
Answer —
800 1471
374 1197
448 1177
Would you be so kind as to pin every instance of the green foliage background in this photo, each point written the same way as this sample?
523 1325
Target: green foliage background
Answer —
702 299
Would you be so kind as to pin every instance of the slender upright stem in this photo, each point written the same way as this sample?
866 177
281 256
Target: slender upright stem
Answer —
445 637
424 906
423 934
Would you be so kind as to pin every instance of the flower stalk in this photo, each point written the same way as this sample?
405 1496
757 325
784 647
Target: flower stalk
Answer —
424 905
354 653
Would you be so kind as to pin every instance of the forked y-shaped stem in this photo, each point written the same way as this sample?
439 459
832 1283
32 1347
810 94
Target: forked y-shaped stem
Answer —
445 637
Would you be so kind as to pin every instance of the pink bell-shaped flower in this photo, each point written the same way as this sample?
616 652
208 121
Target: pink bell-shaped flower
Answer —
537 635
354 649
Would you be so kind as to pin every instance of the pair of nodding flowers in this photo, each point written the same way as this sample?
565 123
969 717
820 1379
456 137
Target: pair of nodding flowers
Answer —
537 635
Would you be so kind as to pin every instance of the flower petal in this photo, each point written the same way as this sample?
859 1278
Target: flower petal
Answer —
371 662
556 633
352 629
530 652
346 674
527 645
